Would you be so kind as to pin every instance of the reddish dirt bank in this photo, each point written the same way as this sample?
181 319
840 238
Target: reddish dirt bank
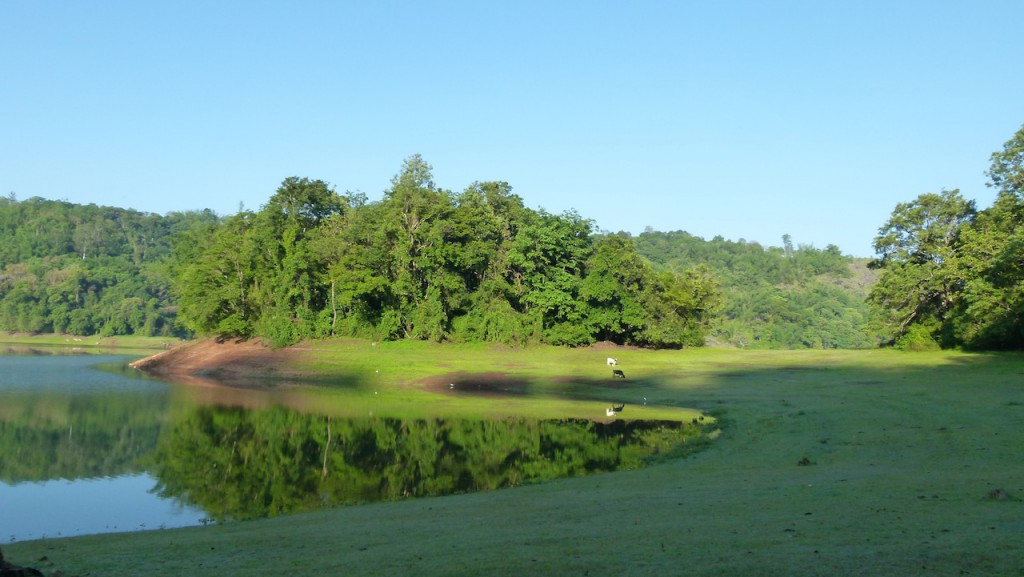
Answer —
219 362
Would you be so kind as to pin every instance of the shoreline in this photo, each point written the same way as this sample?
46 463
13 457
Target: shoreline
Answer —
217 362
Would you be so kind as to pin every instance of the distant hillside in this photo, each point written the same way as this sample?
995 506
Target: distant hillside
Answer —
775 297
87 269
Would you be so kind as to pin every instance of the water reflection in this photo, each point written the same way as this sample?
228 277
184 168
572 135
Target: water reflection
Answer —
239 464
61 420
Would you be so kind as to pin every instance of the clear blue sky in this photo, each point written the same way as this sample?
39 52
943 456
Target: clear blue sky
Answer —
742 119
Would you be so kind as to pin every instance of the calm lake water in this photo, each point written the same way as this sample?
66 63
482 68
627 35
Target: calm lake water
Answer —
88 446
61 473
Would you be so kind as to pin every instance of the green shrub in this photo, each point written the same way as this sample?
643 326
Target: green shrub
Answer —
918 338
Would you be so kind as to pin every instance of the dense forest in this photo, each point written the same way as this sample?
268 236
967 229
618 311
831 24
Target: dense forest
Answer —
86 270
479 266
421 263
427 263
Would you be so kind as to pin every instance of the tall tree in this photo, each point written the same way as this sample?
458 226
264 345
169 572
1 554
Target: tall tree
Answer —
217 290
292 294
486 222
426 291
1007 170
614 286
547 260
991 315
922 279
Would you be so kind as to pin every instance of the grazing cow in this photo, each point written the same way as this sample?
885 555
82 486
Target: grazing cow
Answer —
612 362
609 412
618 408
616 373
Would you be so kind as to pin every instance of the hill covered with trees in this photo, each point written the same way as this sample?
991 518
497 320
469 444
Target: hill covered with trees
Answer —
479 266
86 269
421 263
775 297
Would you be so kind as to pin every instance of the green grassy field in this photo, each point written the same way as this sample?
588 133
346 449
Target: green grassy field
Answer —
830 463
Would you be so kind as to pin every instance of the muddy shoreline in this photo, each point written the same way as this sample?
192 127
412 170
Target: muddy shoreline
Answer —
219 362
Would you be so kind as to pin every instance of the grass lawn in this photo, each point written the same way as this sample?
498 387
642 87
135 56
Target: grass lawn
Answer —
830 463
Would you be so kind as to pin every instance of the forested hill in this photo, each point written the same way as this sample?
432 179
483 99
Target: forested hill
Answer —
87 269
775 297
421 263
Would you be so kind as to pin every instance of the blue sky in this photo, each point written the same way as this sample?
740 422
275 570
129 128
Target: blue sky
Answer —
742 119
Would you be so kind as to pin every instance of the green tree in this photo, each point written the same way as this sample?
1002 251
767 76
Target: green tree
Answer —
486 222
547 260
991 314
426 291
615 284
680 308
291 292
1007 170
216 290
921 279
357 268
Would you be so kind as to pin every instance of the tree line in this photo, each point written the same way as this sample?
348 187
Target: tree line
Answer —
479 266
953 275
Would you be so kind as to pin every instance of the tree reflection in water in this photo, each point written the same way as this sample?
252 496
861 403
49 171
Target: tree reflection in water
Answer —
240 464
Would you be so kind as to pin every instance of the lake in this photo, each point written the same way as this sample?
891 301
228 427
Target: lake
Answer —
88 445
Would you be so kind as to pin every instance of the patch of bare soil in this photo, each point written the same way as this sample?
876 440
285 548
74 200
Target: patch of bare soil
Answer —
575 381
492 383
610 346
217 362
499 384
